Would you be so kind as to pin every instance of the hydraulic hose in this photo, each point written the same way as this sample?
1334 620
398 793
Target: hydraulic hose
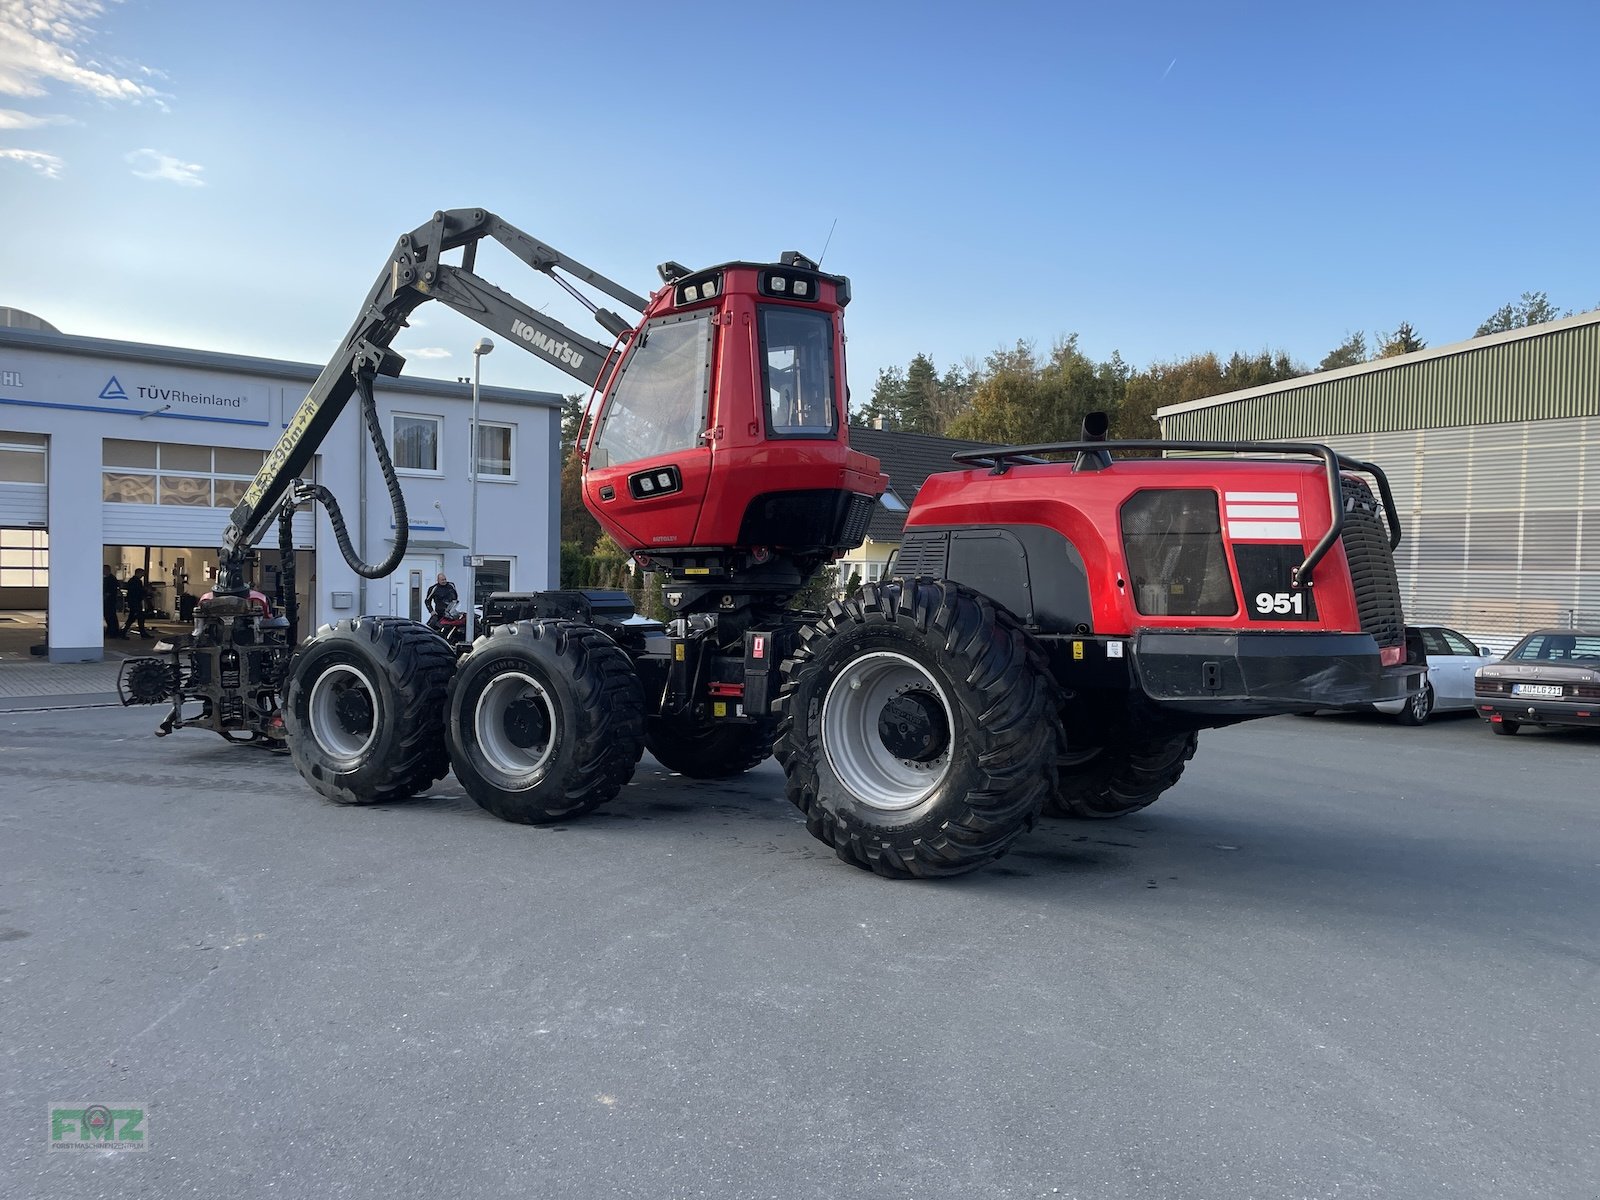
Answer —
397 499
288 598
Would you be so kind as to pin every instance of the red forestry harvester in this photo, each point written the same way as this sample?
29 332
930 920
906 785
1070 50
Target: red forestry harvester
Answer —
1052 637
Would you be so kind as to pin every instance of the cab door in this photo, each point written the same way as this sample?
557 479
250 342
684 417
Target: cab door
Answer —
650 458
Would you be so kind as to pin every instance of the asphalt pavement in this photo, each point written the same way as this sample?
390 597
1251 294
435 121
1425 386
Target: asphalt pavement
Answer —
1342 959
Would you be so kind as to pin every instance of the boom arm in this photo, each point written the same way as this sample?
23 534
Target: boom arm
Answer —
414 275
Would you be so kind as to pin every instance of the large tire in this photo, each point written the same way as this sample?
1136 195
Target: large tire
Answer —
364 709
708 751
545 721
1418 707
1121 778
919 729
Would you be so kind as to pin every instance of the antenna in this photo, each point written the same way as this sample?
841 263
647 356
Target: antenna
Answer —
824 253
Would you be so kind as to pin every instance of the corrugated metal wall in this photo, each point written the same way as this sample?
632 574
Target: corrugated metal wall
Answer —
1494 457
1502 522
1536 378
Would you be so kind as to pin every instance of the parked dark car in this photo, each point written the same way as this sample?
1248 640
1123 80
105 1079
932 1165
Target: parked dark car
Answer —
1551 677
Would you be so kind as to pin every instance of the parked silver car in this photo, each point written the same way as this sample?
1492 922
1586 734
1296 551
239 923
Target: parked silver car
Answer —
1453 660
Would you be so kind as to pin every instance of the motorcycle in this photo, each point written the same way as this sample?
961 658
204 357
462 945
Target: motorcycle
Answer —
451 625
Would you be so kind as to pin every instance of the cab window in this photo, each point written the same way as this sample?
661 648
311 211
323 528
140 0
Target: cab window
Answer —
797 366
659 404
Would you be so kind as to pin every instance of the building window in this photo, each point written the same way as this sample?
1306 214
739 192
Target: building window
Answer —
175 475
24 558
22 458
416 443
496 451
867 571
493 576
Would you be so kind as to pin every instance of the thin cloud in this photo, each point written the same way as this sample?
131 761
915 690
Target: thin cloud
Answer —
1168 71
152 164
36 40
47 165
10 118
428 352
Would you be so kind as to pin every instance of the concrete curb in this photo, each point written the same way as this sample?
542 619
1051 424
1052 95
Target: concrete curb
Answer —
17 704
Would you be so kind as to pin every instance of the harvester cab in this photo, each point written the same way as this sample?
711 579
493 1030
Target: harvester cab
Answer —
718 455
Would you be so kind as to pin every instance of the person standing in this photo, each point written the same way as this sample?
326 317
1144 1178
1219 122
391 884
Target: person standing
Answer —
110 594
441 596
138 593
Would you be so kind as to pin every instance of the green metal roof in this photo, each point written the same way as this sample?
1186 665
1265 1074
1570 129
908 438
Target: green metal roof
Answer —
1532 374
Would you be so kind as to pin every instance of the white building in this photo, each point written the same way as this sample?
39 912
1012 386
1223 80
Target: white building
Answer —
134 455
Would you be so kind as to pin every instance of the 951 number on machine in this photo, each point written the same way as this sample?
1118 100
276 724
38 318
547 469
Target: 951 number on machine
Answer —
1280 604
1266 576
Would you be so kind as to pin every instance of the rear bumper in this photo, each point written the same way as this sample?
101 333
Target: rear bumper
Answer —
1541 712
1264 674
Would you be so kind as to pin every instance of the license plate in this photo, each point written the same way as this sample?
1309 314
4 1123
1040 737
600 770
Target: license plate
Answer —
1549 690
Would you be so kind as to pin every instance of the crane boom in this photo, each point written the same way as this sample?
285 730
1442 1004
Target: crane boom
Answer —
415 274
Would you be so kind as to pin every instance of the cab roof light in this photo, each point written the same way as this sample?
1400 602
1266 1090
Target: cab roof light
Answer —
795 282
698 288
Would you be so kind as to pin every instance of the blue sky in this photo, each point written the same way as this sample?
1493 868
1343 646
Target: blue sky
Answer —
1161 179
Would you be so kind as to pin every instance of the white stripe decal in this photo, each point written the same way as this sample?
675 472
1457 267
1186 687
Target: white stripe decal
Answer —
1268 497
1286 512
1267 531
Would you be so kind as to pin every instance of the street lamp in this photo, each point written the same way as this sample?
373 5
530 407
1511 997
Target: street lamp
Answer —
483 347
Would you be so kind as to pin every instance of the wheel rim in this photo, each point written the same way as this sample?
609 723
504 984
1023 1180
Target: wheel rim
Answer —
886 730
343 711
1422 703
515 723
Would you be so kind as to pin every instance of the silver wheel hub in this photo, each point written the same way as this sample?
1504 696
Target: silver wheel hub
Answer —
887 726
514 723
343 711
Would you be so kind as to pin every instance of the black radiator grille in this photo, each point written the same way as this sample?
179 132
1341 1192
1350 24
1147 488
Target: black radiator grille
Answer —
923 554
1366 547
855 520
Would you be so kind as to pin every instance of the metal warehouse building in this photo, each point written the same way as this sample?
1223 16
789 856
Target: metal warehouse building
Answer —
132 456
1493 450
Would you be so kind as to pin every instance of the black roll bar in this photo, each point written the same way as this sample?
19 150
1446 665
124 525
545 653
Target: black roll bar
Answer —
1003 458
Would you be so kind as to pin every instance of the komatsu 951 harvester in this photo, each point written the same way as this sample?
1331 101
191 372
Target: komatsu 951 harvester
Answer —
1059 624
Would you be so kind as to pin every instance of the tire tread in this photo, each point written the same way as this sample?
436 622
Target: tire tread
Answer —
1015 733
